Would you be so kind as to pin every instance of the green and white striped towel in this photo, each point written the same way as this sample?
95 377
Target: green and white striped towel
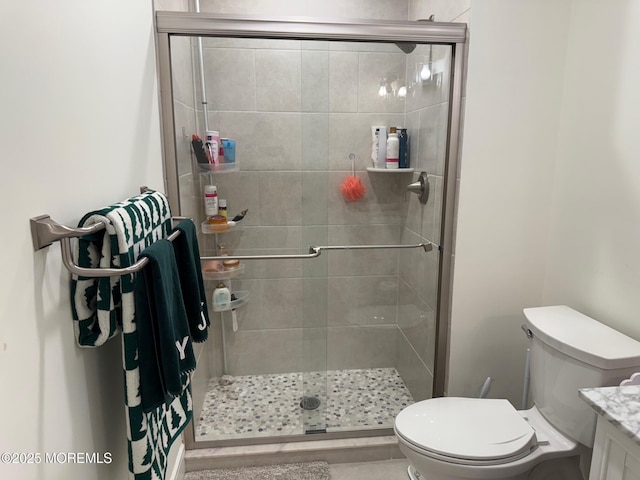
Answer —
102 307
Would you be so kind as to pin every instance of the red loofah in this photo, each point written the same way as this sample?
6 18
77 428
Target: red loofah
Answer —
352 189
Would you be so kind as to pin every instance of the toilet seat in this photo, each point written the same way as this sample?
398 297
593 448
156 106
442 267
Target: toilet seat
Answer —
466 431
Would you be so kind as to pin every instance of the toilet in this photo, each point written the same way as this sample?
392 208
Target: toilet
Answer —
452 438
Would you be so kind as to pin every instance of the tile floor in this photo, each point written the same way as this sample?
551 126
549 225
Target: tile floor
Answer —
382 470
269 405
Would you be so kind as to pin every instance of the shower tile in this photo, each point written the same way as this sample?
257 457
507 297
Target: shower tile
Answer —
370 300
278 80
184 119
425 94
360 47
182 70
351 133
240 189
381 204
363 262
416 376
265 269
270 237
383 9
251 316
280 196
315 80
270 8
190 206
412 123
372 69
230 78
314 349
252 406
314 45
200 378
314 236
413 210
315 141
419 269
417 322
364 398
315 302
314 198
424 219
250 43
426 148
343 82
267 351
269 405
361 346
214 343
442 64
264 141
432 210
281 303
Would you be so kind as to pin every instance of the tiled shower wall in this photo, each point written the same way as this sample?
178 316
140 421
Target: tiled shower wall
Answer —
297 109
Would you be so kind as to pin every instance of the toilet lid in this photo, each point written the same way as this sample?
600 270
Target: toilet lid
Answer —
466 428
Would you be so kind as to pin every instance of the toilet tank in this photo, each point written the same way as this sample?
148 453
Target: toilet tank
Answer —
570 351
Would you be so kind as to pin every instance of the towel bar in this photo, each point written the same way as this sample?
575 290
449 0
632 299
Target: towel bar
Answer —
45 231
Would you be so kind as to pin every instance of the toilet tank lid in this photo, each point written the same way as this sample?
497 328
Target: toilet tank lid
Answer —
582 337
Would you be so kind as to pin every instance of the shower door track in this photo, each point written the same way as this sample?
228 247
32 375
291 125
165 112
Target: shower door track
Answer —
453 35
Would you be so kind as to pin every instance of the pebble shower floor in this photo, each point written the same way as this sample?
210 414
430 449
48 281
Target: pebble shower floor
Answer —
269 405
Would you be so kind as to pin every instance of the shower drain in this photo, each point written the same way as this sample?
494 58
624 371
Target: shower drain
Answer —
310 403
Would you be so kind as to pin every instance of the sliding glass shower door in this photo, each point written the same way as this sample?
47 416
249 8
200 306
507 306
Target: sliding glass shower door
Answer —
329 340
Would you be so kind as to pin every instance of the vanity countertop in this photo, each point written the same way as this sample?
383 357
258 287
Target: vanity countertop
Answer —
619 405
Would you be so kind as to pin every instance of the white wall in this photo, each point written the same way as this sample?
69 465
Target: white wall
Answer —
79 129
594 256
512 112
549 208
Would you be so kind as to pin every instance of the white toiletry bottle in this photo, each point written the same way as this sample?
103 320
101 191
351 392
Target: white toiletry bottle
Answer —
221 298
210 200
393 148
382 147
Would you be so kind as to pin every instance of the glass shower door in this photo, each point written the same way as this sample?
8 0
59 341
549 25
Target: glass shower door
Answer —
341 342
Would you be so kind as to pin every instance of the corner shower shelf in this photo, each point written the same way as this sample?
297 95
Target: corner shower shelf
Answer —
242 298
389 170
211 228
218 168
225 274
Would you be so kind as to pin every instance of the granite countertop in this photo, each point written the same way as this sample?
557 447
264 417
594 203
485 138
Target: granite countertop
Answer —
619 405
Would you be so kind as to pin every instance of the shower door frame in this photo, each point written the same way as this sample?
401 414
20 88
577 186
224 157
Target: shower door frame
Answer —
302 28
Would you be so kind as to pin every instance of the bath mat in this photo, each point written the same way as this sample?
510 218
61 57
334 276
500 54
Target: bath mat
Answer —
291 471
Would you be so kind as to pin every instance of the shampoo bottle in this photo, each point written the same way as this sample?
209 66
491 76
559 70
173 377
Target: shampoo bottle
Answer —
221 298
210 200
382 147
403 137
393 148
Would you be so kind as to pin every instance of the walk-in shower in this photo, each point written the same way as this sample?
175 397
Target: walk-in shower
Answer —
339 314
